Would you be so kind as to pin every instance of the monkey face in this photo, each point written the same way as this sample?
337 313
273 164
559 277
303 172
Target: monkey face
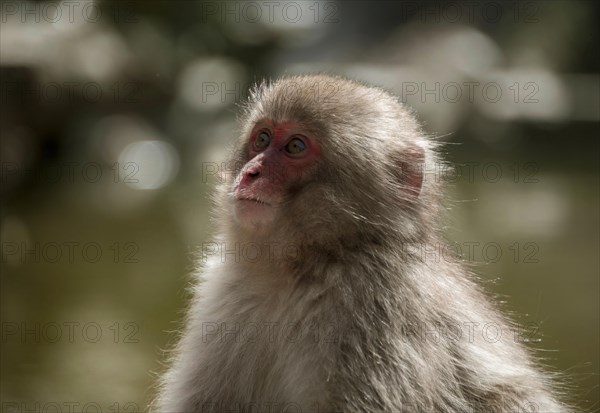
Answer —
280 158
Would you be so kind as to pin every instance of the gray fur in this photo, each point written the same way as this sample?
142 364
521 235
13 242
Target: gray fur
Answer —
357 319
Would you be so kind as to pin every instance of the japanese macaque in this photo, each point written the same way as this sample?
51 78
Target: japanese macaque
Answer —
320 298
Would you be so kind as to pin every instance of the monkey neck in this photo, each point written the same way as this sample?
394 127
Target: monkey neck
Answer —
306 258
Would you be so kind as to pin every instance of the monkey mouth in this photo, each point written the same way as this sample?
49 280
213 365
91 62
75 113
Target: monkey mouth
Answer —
248 199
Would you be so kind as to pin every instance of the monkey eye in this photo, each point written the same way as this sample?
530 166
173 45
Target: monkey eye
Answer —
262 140
294 146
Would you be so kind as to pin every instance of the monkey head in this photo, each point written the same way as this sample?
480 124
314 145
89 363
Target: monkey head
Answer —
325 158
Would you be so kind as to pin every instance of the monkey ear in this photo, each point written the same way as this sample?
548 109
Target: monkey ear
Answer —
408 169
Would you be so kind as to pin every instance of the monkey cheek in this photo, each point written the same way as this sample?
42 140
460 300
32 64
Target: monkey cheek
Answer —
253 215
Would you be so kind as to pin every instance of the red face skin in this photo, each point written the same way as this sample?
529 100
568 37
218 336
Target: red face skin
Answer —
262 184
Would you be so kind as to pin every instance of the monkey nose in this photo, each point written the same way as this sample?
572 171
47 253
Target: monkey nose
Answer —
252 172
249 175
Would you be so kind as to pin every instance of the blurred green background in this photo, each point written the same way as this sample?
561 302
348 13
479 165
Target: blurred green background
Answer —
113 113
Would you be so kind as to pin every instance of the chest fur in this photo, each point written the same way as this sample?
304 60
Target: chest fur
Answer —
263 345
